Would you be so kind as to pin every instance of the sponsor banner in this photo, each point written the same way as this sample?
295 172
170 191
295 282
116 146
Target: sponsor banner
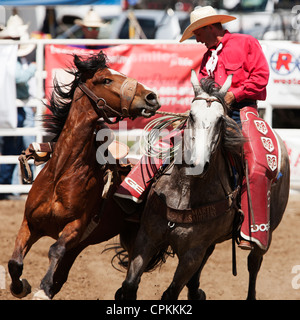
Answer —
284 84
167 69
164 68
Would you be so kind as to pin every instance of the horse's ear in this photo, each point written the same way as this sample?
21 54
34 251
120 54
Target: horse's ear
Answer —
195 83
226 85
76 60
79 63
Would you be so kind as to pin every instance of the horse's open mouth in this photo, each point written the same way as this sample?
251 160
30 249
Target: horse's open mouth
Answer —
146 113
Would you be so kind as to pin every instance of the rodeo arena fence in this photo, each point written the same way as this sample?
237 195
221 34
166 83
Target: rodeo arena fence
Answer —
163 65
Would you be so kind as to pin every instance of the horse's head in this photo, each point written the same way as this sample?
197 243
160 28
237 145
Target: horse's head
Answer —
115 93
203 126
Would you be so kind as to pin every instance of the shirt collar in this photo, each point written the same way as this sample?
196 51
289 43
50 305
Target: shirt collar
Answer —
224 40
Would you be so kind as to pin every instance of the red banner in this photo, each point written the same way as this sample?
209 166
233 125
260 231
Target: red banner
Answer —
163 67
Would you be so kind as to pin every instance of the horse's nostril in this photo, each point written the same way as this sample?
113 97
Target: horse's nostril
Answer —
151 98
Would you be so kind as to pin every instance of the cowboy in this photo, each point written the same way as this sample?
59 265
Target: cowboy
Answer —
242 56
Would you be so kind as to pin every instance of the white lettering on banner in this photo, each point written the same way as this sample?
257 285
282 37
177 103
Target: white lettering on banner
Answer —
287 81
156 56
118 59
134 185
153 56
54 49
181 61
181 91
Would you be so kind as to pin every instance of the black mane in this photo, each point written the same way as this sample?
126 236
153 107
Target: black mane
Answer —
62 95
212 88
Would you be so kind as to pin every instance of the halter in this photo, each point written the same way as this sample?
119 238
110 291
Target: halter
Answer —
208 100
128 91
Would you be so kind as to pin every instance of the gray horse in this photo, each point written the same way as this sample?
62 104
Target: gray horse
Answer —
195 206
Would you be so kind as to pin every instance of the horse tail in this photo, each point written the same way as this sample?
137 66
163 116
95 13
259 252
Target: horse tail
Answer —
121 258
158 259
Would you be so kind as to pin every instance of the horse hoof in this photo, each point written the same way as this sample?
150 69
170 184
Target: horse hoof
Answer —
119 294
26 289
200 295
40 295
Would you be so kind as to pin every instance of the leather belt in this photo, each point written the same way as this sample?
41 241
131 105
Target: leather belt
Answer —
242 104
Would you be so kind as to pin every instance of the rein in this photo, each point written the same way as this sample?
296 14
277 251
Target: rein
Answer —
128 91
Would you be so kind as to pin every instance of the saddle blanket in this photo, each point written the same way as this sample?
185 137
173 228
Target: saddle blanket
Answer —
262 144
262 152
135 185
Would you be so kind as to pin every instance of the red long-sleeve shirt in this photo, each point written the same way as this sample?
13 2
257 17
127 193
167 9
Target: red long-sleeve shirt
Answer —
243 57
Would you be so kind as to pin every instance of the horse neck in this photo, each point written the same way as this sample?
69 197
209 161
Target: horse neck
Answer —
210 187
76 141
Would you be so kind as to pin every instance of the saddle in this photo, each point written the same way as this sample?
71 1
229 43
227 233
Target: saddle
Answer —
42 152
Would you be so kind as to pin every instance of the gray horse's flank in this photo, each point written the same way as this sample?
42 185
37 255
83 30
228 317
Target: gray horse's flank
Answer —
199 186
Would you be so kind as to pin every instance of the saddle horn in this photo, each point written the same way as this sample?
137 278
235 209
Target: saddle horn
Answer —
195 83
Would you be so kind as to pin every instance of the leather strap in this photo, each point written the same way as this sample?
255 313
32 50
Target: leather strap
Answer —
128 90
208 100
205 212
101 106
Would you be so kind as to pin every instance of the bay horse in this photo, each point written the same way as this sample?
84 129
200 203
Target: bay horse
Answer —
66 194
195 206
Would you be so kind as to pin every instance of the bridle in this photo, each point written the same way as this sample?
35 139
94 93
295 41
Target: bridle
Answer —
128 91
208 100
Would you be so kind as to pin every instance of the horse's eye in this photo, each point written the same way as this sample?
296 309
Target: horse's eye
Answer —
107 81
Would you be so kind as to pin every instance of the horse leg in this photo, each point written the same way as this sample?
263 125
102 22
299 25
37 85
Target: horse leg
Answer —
194 292
25 239
189 263
144 250
255 259
61 273
69 237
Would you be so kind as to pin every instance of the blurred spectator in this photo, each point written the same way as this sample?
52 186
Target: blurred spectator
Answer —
90 26
17 30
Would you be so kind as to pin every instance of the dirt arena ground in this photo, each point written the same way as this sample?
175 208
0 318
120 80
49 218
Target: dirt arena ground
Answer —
93 277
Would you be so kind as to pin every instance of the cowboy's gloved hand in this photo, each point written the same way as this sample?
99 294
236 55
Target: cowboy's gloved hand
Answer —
229 98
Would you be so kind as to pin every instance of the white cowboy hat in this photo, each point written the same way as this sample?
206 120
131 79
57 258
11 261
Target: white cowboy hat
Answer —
16 29
91 19
203 17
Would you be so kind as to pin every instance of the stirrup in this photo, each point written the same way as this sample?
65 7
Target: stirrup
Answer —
245 245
